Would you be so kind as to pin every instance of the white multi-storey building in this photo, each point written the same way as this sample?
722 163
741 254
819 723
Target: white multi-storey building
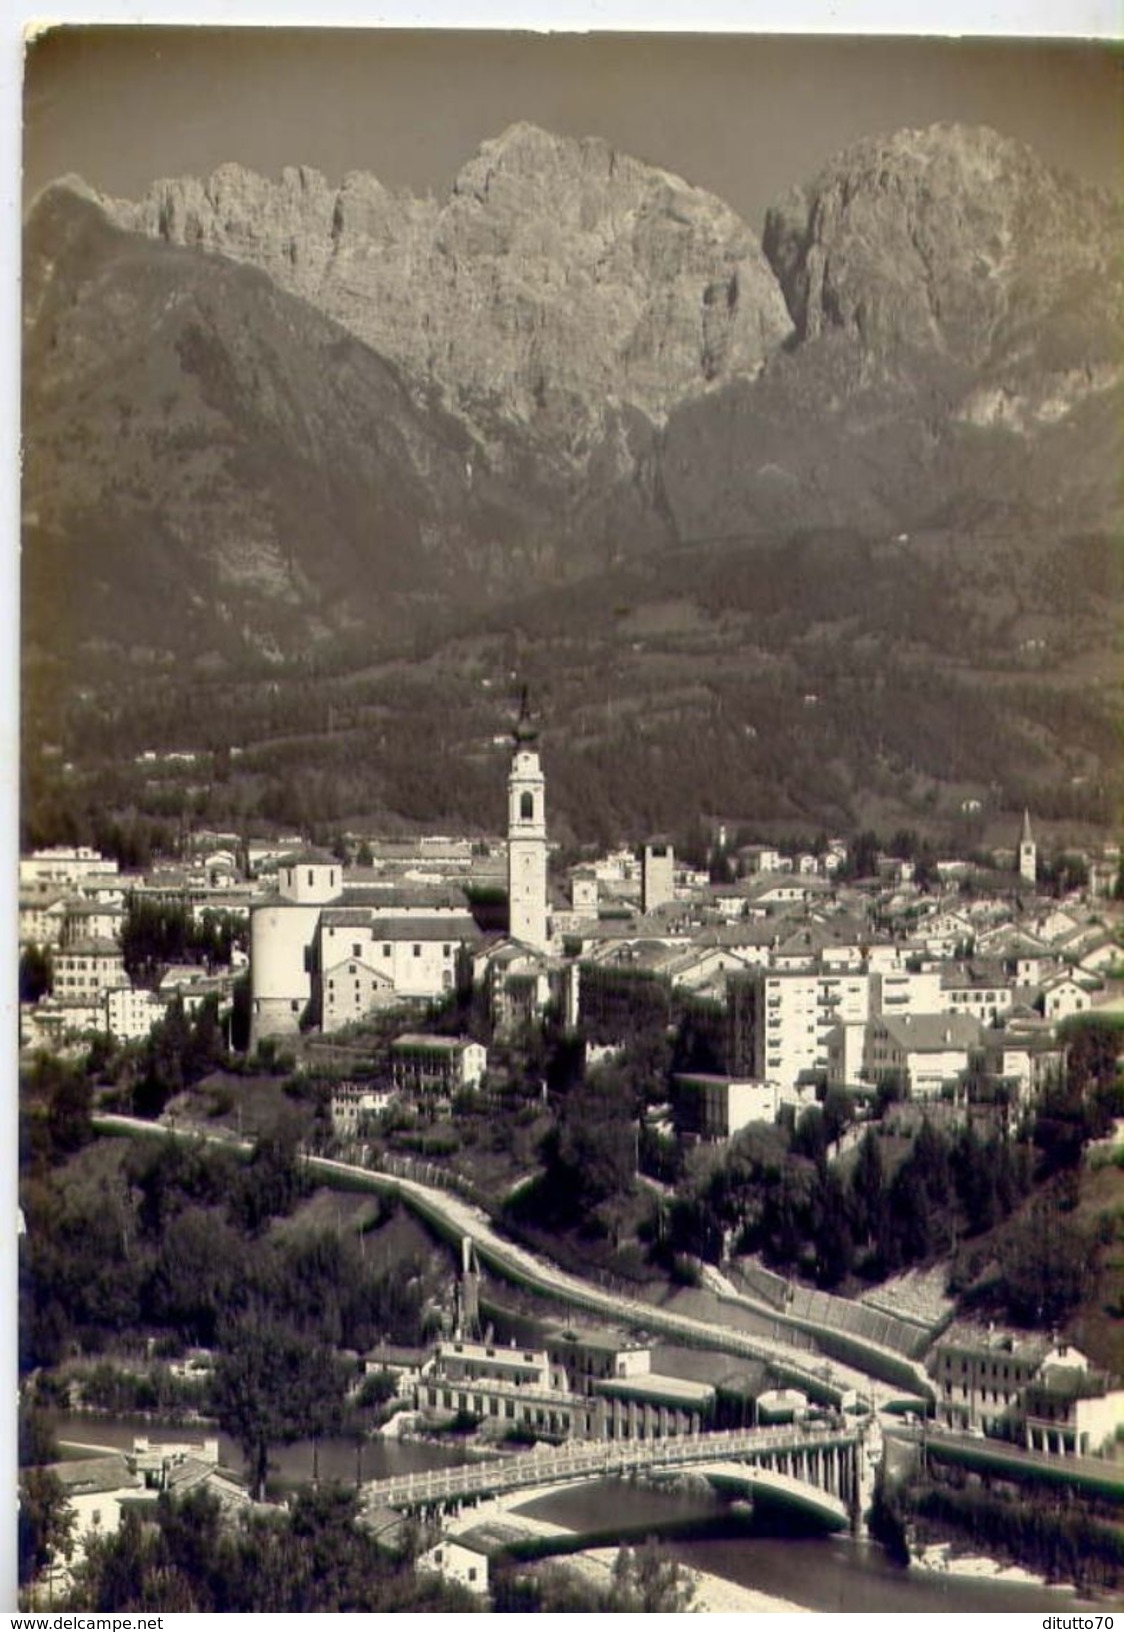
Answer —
89 969
795 1015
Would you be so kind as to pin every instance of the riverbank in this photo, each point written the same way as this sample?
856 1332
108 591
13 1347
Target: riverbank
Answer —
942 1558
711 1594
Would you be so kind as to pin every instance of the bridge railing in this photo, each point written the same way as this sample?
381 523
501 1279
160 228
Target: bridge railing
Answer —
549 1465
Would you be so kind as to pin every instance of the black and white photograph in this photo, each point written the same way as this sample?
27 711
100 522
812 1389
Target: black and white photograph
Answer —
571 910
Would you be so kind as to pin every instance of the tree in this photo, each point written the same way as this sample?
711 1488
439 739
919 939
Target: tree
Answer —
46 1523
271 1387
590 1156
838 1113
891 1090
35 973
68 1114
834 1242
1048 1266
868 1190
646 1581
37 1443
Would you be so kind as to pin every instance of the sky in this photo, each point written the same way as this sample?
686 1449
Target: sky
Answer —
744 116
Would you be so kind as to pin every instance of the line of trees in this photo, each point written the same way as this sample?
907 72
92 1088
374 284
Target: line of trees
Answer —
313 1557
776 1194
1047 1533
178 1242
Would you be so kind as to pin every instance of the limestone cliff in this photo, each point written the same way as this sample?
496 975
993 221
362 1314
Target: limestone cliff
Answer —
558 277
961 243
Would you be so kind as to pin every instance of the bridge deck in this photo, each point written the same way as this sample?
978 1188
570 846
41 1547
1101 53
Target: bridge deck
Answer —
594 1459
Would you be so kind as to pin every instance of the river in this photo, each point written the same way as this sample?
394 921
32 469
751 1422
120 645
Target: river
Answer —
293 1464
817 1572
826 1573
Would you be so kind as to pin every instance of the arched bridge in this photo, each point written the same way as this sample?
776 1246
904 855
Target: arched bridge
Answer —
825 1463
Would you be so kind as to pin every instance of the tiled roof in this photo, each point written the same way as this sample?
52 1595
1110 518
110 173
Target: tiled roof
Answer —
93 1474
930 1033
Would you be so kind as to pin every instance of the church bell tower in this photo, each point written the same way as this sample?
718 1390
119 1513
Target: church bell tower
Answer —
1028 852
526 838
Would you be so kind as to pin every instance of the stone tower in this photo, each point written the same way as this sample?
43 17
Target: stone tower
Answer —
1028 852
658 874
526 838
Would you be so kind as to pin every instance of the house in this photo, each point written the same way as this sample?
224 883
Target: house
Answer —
980 1372
1069 1410
1027 1058
522 984
64 864
56 1022
85 921
427 1067
457 1562
579 1359
1042 1389
759 858
42 913
404 1364
583 891
923 1051
131 1013
96 1490
370 958
777 1405
945 933
1064 996
906 991
462 1361
714 1108
353 1102
980 989
88 970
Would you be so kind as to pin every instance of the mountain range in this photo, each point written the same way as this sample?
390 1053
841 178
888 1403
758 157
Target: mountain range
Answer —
578 418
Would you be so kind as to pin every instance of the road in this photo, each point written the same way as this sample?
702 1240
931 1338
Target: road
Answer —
456 1218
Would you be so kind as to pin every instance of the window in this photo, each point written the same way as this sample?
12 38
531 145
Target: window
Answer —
417 950
527 807
310 876
357 949
385 951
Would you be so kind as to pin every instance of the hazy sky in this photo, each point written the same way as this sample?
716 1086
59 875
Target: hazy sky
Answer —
743 116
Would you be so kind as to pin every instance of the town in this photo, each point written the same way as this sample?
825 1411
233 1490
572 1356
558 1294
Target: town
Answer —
795 1085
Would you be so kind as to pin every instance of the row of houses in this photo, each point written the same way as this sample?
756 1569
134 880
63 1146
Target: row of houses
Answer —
1028 1387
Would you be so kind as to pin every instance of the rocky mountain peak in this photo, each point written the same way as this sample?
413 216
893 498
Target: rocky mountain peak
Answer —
934 239
559 276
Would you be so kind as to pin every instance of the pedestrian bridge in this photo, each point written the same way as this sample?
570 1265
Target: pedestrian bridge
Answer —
819 1466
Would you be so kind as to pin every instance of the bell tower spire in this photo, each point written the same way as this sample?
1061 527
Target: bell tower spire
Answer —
526 836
